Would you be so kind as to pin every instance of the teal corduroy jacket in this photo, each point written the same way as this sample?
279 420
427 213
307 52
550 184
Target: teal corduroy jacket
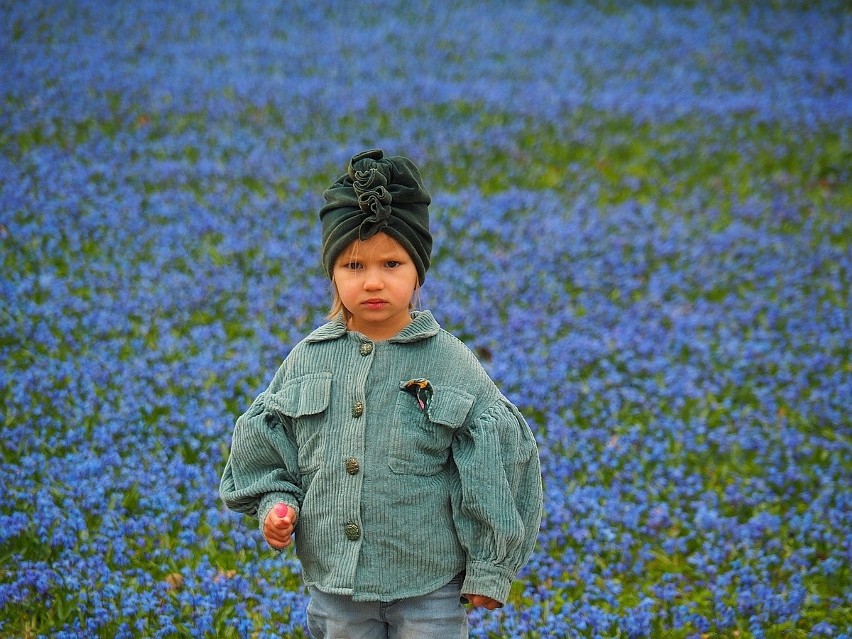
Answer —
404 461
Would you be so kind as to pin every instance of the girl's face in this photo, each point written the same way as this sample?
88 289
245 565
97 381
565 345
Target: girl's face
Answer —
375 281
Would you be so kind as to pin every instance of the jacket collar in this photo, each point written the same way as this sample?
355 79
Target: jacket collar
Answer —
423 326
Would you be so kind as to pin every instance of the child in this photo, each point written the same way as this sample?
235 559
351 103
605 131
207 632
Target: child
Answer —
411 483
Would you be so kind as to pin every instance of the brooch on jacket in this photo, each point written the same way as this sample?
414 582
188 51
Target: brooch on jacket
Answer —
420 389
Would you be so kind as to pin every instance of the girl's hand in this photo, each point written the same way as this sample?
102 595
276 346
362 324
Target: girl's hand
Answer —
481 601
278 526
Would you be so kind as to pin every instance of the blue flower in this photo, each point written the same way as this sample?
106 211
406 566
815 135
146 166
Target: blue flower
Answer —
639 228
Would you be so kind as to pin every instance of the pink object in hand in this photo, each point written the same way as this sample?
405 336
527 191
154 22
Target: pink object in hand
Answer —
281 510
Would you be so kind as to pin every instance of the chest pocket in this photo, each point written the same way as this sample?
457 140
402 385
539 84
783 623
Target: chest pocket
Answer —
421 438
304 401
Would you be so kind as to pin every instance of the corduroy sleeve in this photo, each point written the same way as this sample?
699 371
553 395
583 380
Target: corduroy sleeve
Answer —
262 468
497 509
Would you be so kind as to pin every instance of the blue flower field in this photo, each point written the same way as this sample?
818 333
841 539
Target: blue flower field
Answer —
642 228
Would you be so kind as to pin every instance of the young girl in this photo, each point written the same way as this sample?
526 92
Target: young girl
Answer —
411 483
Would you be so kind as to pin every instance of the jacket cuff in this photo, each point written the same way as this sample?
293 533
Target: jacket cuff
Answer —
482 578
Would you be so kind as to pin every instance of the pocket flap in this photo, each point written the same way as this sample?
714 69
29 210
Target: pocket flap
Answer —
305 395
449 406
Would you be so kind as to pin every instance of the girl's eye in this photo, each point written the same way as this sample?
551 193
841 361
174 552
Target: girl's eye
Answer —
352 266
393 264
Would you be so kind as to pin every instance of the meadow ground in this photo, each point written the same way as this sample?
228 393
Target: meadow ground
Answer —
642 227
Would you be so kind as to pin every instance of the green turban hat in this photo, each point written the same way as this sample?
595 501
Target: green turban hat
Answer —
377 194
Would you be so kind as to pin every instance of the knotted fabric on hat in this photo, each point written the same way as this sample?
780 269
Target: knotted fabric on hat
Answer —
377 194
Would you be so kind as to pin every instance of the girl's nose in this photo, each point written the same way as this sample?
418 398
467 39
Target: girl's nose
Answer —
373 282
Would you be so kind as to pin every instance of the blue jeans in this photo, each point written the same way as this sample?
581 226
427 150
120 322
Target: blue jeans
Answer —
437 615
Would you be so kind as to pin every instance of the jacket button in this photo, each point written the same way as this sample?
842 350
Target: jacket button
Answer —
366 348
353 531
352 466
357 409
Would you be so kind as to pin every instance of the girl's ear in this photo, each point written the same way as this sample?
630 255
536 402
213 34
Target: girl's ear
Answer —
415 303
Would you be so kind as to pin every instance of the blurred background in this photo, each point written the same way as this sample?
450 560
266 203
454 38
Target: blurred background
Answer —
641 221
